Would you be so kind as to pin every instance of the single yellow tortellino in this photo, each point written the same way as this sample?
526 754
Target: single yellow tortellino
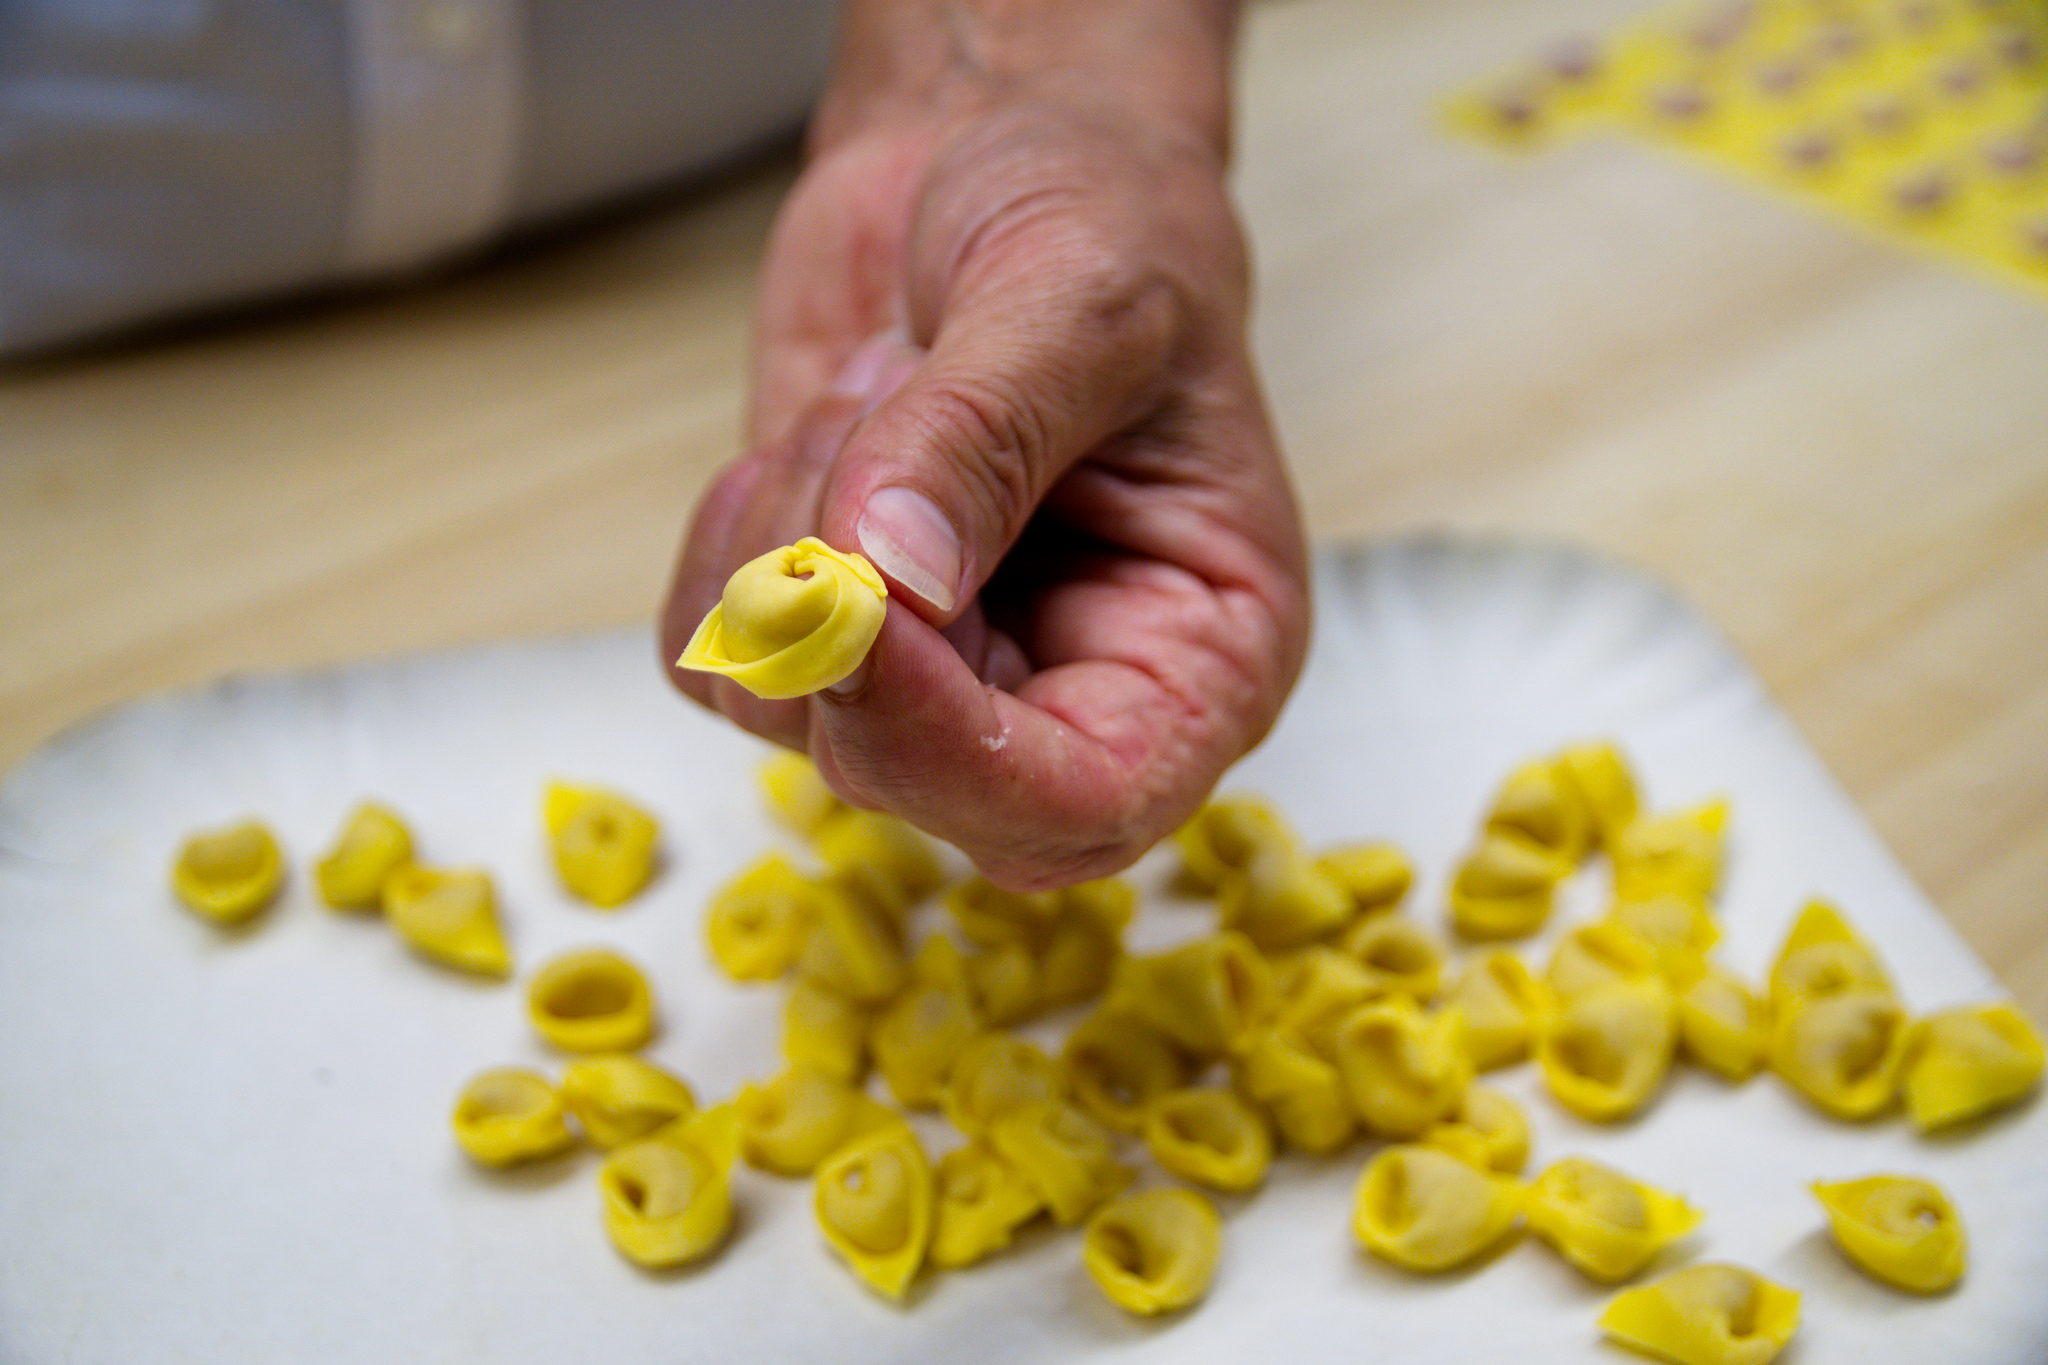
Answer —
1068 1157
1154 1251
1605 1053
918 1034
1843 1051
823 1029
994 918
1969 1061
874 1200
1705 1315
1679 852
1505 886
797 795
449 915
881 859
227 875
1542 806
994 1074
1223 836
1487 1129
373 844
1502 1004
1080 956
1823 956
1006 984
1375 876
508 1115
792 621
1299 1090
1403 1070
982 1201
796 1120
1279 899
619 1097
1210 1136
1205 995
1899 1228
668 1198
1399 954
1678 930
591 1000
1603 1222
852 949
1318 986
605 846
1601 776
756 922
1117 1064
1428 1211
1722 1024
1602 953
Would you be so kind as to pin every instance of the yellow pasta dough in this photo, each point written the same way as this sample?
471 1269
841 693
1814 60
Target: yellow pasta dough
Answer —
618 1097
1317 986
1223 836
668 1198
1279 899
1205 995
1154 1251
1705 1315
802 1116
1505 886
880 858
1678 930
982 1201
1606 787
1211 1137
1403 1070
1427 1211
792 621
796 793
1299 1090
1603 1222
1899 1228
918 1034
1006 984
1605 1054
1823 956
994 1074
1400 954
823 1029
1843 1051
874 1200
1722 1024
1116 1064
1487 1129
227 875
1540 805
449 915
1068 1157
1502 1004
1602 953
372 845
591 1000
852 949
509 1115
1080 955
994 918
1965 1062
1375 876
756 922
1679 852
605 846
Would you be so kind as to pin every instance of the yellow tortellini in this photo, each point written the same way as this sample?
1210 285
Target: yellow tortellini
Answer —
796 1120
792 622
605 846
1116 1064
1542 806
824 1030
619 1097
668 1198
1679 852
995 1074
228 875
1965 1062
1211 1137
1375 876
994 918
1823 956
880 858
852 949
1222 837
1487 1129
373 844
1080 956
509 1115
1843 1051
1399 954
1319 985
1901 1229
1299 1090
1603 1222
1678 930
918 1034
1502 1005
1206 995
1505 886
1602 953
796 794
1006 984
1068 1157
1279 899
1722 1024
449 915
1403 1070
1426 1210
591 1000
1154 1251
874 1199
1605 1053
1604 784
982 1201
756 922
1705 1315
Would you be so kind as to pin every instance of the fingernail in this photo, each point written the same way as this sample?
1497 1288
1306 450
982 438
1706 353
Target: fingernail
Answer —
910 539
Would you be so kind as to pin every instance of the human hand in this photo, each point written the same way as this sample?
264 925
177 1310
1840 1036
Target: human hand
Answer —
1001 351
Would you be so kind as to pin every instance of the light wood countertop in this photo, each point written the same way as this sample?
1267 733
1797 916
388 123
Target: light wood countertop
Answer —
1839 452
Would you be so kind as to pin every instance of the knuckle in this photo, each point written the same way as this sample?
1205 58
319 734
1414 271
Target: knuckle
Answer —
998 440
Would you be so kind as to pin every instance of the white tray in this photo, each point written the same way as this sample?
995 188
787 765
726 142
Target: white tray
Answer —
233 1148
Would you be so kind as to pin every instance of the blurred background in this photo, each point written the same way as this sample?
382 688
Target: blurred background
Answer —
1837 450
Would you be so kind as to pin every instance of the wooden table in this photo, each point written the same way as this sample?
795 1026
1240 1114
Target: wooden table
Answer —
1839 452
